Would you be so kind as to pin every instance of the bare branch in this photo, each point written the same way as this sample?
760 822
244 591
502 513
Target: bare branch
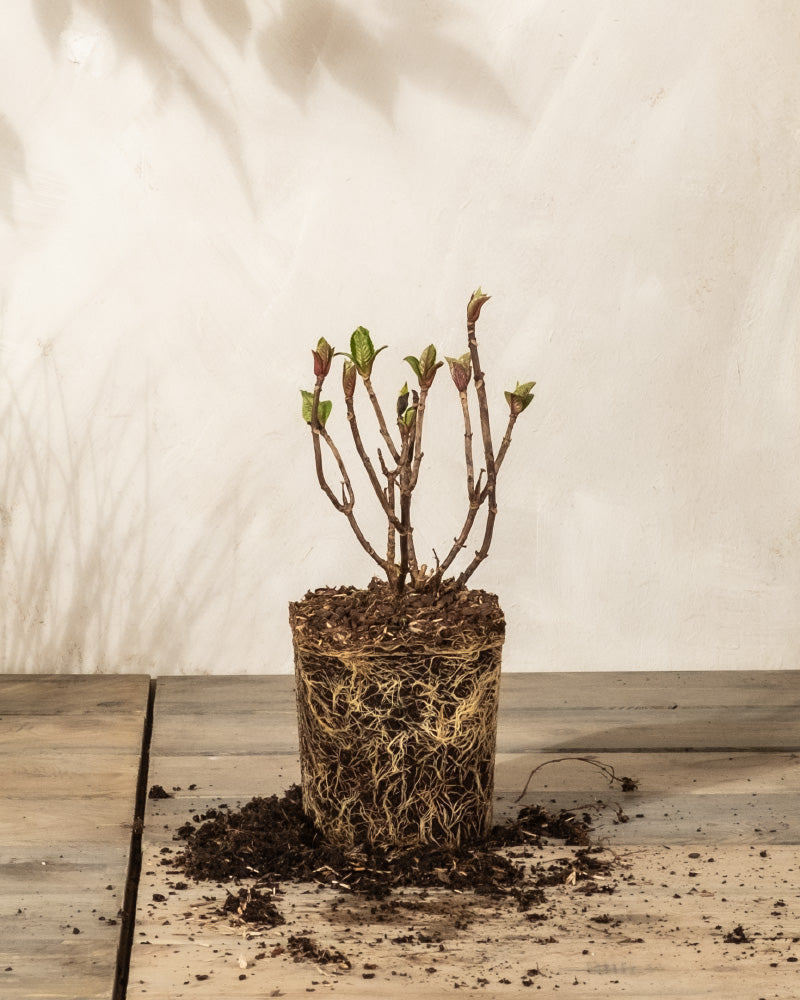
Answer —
346 504
417 445
512 419
367 463
381 422
316 434
488 452
467 443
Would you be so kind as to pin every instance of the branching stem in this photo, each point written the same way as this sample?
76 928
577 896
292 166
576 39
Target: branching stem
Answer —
346 504
381 422
400 468
468 444
488 454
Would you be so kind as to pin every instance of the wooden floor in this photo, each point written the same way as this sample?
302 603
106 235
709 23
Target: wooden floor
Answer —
70 752
709 849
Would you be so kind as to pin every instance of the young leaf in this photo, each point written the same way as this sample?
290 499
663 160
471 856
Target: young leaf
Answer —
425 366
520 398
428 358
428 366
409 416
402 400
323 408
362 351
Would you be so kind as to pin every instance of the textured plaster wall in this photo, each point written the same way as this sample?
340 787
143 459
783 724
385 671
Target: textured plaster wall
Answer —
191 193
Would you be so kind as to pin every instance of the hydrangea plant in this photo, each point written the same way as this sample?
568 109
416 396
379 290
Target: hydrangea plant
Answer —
396 475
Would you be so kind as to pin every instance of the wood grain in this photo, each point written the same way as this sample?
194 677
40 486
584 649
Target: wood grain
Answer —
70 750
708 842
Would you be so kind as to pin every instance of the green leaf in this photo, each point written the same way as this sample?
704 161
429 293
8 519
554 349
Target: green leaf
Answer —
520 398
426 366
362 350
409 416
324 408
427 359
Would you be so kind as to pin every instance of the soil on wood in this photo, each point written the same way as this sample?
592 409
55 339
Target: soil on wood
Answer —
271 840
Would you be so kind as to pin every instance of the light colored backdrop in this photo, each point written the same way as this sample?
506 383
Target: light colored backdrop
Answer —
191 193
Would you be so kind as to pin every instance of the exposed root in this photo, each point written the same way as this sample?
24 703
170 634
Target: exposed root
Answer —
627 784
397 734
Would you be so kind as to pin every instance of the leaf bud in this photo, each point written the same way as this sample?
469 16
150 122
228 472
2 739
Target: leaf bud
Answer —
402 401
461 371
475 305
519 399
323 356
408 417
348 379
362 351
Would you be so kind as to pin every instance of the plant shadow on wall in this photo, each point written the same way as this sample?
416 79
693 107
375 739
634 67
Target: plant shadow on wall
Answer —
80 587
185 48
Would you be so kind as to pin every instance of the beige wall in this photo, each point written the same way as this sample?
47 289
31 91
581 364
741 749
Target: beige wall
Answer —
192 193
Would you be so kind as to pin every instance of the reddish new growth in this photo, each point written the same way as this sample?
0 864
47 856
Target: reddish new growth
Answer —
398 469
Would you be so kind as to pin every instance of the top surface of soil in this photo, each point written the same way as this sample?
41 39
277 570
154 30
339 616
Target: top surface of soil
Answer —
457 617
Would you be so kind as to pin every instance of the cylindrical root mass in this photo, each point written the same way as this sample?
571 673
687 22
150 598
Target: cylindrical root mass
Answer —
397 746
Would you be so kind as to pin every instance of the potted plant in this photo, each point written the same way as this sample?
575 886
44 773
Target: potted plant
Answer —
397 683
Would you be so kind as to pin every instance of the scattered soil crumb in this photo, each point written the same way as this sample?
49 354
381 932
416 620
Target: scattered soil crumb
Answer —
271 841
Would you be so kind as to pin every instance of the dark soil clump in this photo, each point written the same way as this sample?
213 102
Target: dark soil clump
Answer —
271 840
252 906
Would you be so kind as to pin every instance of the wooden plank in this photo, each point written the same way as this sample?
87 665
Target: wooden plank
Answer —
615 689
691 864
78 735
242 777
69 766
685 798
67 694
659 935
519 729
652 689
597 730
59 929
78 828
245 693
89 775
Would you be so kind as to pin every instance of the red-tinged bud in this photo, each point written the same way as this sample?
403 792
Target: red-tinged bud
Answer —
475 305
323 356
461 371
